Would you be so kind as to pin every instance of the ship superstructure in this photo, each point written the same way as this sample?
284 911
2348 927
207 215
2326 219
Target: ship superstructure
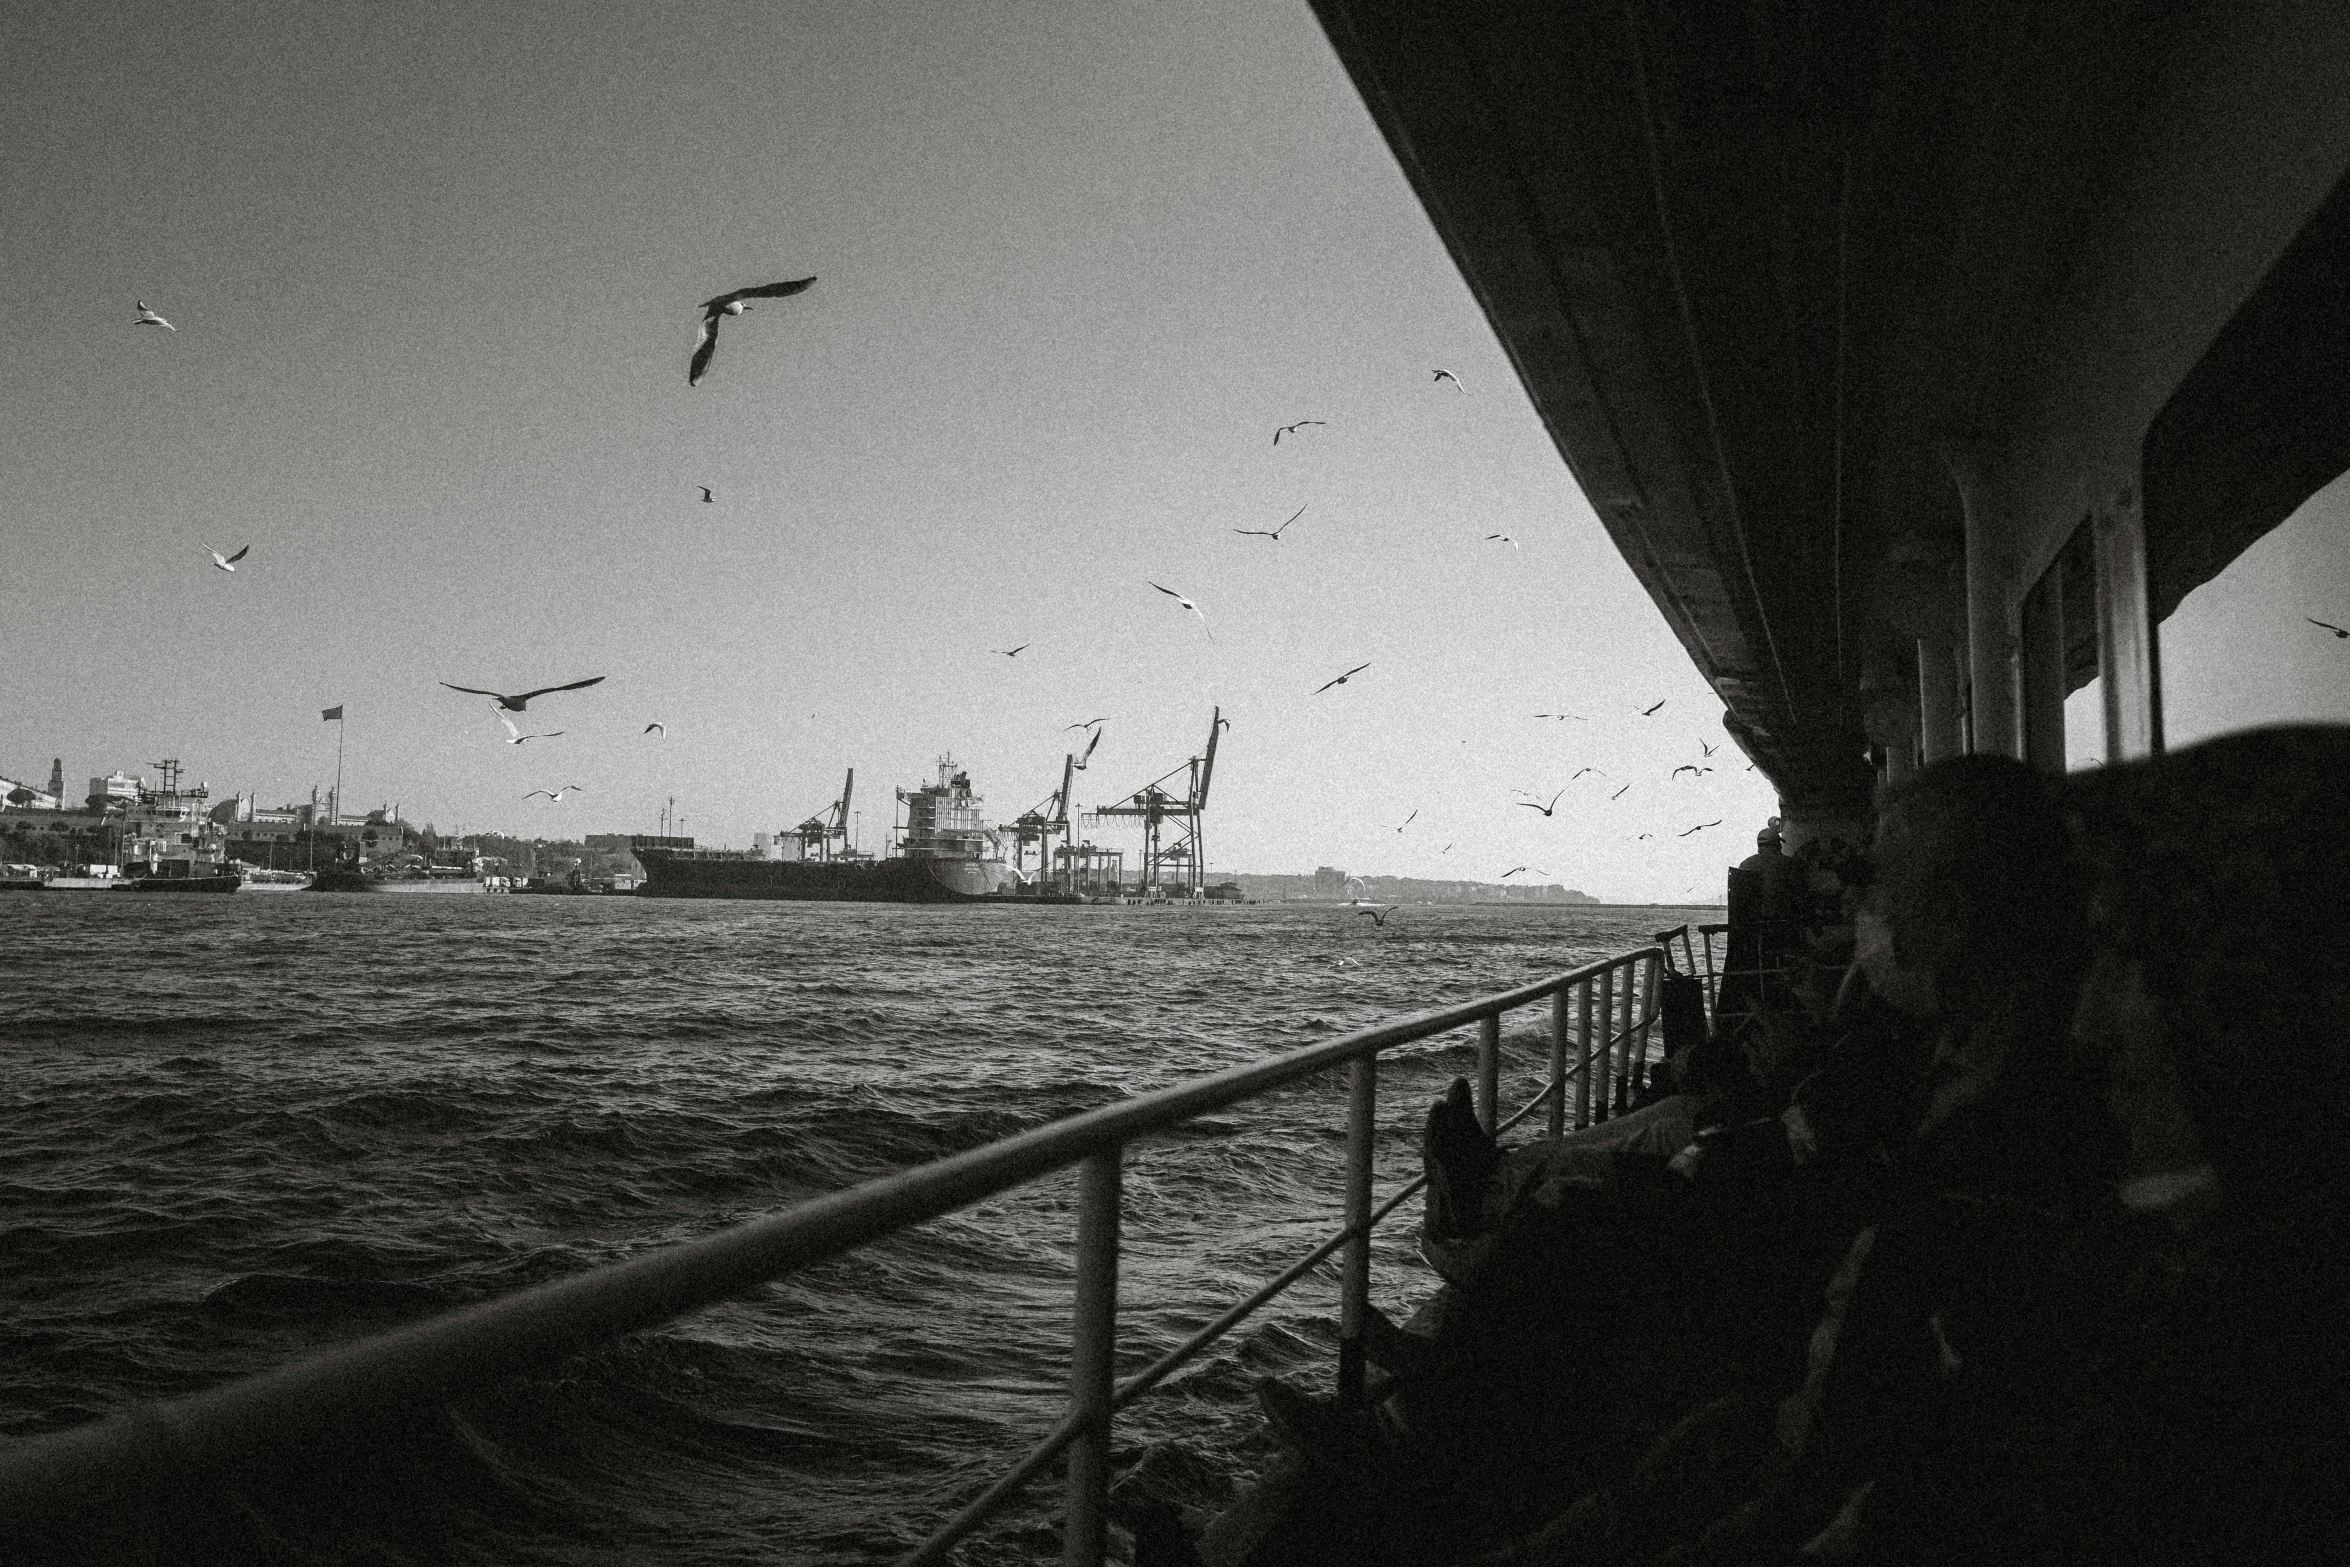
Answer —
942 852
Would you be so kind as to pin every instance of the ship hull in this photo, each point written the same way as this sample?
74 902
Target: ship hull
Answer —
685 874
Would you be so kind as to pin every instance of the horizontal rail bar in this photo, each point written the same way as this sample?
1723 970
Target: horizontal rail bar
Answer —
108 1466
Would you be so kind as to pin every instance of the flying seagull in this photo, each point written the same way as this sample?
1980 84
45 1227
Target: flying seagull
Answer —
1379 916
1089 745
1341 680
1691 767
1187 604
734 304
515 736
515 704
1563 717
2336 630
1447 375
1707 749
707 497
1015 652
1544 809
1275 535
1700 827
1644 837
557 795
150 318
1580 771
1407 821
1292 429
1088 724
1503 537
1660 701
226 562
656 728
1512 871
1619 794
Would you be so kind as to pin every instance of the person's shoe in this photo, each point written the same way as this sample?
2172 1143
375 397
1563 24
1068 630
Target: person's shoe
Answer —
1348 1443
1460 1158
1393 1349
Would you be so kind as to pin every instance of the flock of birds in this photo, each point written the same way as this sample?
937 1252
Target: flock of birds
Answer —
739 302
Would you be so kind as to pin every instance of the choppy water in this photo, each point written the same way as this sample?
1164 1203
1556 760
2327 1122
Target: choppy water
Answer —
234 1128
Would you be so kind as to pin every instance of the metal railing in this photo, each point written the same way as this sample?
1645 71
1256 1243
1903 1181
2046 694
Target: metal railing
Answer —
100 1492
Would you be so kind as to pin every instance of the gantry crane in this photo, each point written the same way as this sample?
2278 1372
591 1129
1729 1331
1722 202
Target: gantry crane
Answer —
1042 823
1160 809
829 826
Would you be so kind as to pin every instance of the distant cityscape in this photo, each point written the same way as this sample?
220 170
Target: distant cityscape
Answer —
124 819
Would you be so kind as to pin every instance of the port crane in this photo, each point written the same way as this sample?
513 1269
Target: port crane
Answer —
1043 822
830 826
1171 843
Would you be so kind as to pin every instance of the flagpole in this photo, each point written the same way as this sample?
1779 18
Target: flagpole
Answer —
340 726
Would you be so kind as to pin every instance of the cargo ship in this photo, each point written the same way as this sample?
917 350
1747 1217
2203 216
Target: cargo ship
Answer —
945 853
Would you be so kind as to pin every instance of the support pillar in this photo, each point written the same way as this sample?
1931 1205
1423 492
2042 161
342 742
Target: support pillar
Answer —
1994 708
2126 649
2044 673
1939 734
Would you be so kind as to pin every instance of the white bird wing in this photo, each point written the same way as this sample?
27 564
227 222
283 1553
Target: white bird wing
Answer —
514 733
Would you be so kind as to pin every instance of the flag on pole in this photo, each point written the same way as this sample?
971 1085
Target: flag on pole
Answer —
333 715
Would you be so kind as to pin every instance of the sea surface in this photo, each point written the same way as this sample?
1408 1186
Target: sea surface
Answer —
236 1128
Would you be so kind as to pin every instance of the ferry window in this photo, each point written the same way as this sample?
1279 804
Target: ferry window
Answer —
2242 650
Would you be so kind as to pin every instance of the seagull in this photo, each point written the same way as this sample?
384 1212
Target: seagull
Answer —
1619 794
1544 809
226 562
1580 771
1088 724
150 318
1447 375
1644 837
1447 849
1089 745
1341 680
1275 535
1563 717
707 497
1707 749
2336 630
1407 821
734 304
1660 701
1379 916
1512 871
515 704
1015 652
1187 604
557 795
1505 538
1292 429
1691 767
515 736
656 728
1700 827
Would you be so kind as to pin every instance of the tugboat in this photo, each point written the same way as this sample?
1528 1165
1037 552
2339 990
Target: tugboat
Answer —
171 845
945 853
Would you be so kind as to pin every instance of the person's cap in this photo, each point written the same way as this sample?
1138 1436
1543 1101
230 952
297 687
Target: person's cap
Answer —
1769 834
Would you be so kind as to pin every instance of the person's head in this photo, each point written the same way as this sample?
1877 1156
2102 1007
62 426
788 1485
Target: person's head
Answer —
1972 890
2215 1008
1767 840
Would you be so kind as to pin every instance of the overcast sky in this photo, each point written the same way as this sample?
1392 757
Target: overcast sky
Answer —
434 271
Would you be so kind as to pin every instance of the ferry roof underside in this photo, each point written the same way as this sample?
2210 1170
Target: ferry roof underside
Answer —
1774 274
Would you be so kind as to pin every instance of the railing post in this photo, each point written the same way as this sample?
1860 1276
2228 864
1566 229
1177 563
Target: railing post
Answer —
1603 1062
1092 1359
1489 1070
1651 974
1354 1277
1558 1062
1625 1082
1583 1054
